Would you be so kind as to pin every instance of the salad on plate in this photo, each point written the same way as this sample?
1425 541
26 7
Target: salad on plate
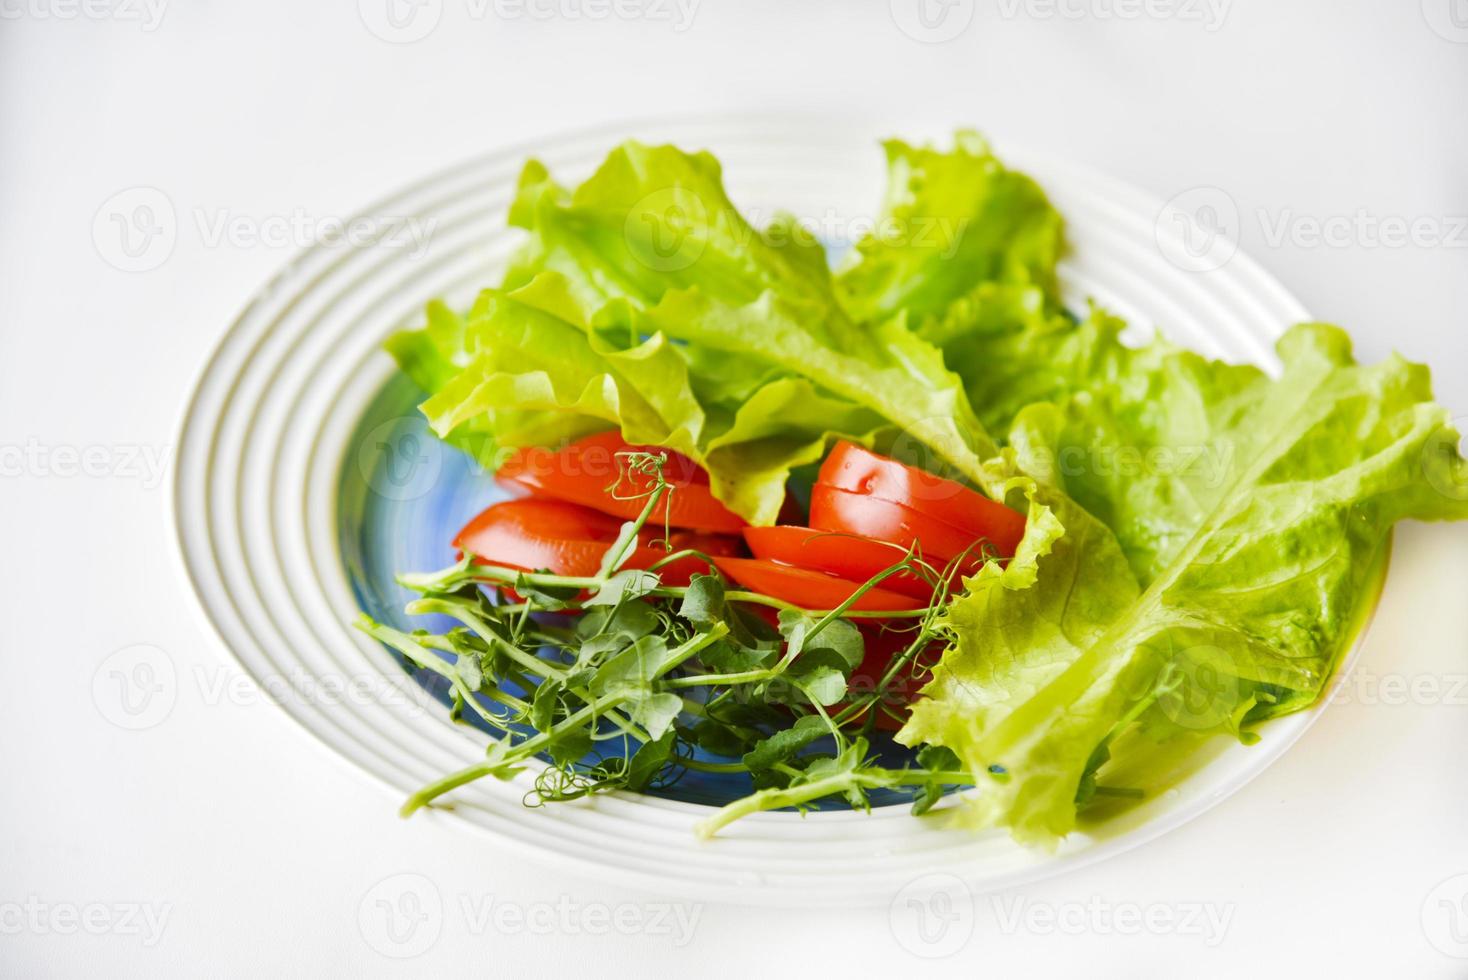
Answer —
906 526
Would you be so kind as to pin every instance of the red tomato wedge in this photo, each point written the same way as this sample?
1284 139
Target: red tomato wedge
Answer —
571 540
836 553
680 572
586 471
533 534
807 589
860 471
872 517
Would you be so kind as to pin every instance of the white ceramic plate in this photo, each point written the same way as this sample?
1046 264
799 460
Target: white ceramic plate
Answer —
263 446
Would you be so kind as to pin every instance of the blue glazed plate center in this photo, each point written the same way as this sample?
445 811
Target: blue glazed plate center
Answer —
402 496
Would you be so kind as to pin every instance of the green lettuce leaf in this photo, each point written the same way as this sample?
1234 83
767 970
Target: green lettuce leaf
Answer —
537 351
544 370
654 219
901 380
951 220
964 251
1254 572
1011 349
644 300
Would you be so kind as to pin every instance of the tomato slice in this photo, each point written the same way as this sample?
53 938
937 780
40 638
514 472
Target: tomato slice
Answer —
872 517
857 470
586 471
569 539
836 553
709 544
533 534
680 572
810 590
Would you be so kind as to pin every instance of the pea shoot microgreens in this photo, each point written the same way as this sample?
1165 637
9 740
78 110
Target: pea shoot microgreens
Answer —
619 681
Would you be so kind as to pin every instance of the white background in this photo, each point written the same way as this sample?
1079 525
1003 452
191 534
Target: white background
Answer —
263 851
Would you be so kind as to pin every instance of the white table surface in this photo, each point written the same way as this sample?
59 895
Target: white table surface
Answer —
223 840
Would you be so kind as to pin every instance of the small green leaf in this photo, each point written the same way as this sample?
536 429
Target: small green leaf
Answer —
841 637
635 666
938 758
656 712
817 657
632 619
648 761
748 629
468 669
570 746
703 604
591 622
934 758
630 583
752 715
785 743
543 704
497 755
824 685
599 648
579 678
719 739
728 657
794 626
547 597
